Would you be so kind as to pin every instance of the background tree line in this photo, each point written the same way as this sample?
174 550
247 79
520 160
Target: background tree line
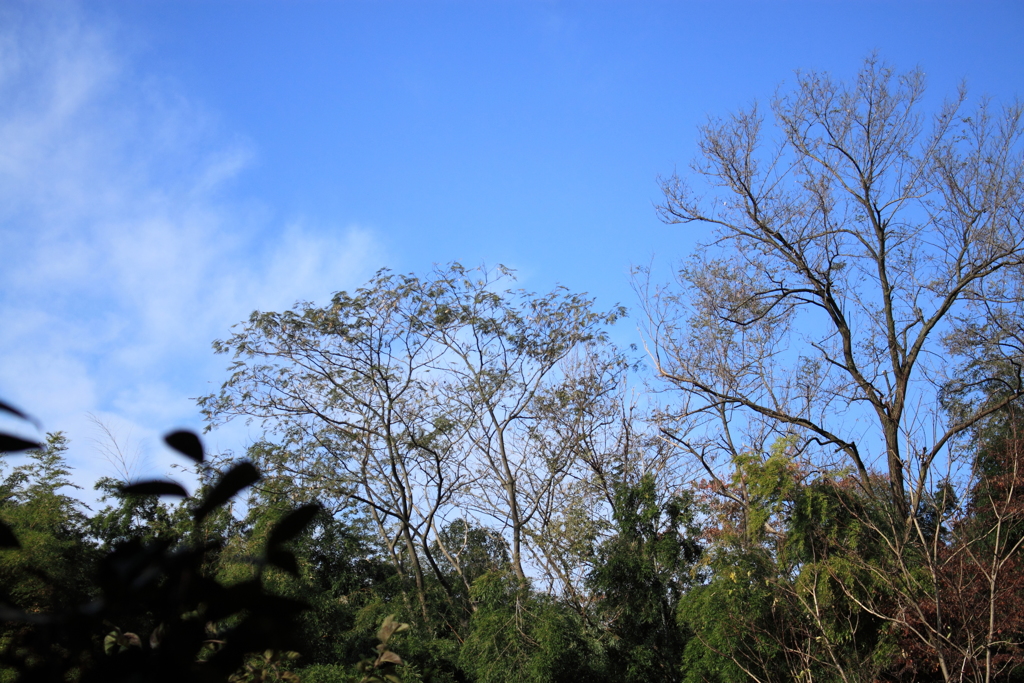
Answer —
817 479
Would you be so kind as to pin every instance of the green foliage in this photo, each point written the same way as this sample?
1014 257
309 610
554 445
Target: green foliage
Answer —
198 628
767 486
842 560
464 552
337 568
519 636
794 560
270 667
130 516
479 549
640 574
427 655
328 673
795 577
51 568
730 618
381 667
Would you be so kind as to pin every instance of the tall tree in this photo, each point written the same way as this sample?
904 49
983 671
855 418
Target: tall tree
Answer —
52 567
859 256
856 258
640 574
422 398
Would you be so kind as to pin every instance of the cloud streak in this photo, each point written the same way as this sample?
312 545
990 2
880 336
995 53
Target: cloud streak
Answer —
127 249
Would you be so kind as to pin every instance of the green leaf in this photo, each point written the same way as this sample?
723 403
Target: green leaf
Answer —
390 627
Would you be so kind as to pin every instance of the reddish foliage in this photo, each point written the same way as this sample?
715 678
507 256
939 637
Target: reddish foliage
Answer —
977 602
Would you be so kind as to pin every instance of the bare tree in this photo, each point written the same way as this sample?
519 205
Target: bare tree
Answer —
506 361
861 255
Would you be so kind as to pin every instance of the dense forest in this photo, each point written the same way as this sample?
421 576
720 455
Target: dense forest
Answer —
807 469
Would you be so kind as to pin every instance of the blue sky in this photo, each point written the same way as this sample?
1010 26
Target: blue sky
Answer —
167 167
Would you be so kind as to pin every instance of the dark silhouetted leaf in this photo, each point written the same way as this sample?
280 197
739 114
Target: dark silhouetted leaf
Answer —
283 559
186 443
237 478
155 487
292 525
13 444
8 408
7 537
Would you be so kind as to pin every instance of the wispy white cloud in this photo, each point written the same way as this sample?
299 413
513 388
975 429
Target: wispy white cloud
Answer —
125 251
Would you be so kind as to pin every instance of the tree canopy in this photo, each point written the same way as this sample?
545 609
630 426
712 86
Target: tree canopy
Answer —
816 475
